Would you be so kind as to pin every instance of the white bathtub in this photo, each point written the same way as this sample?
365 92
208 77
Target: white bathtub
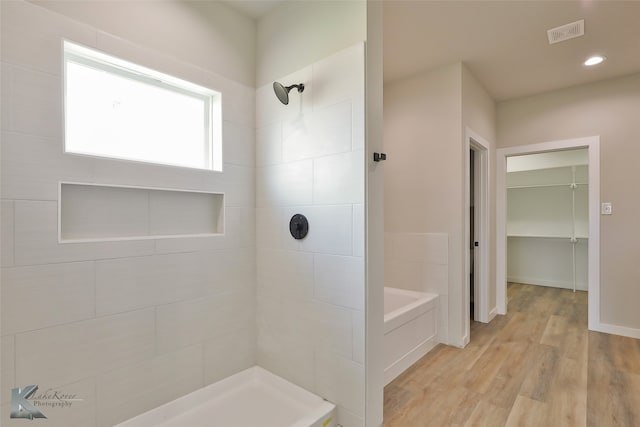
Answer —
410 327
251 398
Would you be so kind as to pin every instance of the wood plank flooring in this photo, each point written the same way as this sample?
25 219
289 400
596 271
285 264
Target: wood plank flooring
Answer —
536 366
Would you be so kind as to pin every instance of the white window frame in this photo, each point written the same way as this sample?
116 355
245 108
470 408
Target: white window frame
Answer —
212 100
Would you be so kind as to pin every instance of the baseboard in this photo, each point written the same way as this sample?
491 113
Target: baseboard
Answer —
548 283
624 331
492 314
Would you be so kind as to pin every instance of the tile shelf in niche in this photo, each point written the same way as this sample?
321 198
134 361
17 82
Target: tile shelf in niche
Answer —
99 213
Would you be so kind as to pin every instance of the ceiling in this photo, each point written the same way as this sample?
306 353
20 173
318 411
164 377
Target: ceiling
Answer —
253 8
503 43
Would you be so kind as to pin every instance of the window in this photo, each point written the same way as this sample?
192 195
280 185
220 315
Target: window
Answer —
117 109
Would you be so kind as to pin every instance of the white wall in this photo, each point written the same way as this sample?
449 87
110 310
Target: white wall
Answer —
208 34
425 117
479 115
609 109
299 33
374 218
126 325
310 158
423 175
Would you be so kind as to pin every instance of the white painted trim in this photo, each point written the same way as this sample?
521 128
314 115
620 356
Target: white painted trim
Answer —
392 371
465 341
480 145
624 331
493 313
593 144
547 283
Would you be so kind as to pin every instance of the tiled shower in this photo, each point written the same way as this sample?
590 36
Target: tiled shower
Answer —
129 324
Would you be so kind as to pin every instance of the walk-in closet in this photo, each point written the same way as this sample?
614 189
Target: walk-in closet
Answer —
547 219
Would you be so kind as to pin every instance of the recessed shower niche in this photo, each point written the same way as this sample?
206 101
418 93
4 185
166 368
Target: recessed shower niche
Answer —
93 212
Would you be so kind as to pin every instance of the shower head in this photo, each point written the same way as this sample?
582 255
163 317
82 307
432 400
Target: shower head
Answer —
282 92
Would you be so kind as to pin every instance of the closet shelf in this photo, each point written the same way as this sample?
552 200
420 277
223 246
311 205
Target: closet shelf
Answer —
539 236
568 185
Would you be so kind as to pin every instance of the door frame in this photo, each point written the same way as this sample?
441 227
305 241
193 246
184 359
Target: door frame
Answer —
592 143
480 146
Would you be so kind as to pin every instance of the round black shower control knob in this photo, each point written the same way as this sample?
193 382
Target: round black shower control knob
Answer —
299 226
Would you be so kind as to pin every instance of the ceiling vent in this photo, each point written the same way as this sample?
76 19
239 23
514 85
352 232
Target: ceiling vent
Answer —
566 32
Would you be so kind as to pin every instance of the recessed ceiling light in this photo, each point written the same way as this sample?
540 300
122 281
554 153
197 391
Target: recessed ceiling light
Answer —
594 60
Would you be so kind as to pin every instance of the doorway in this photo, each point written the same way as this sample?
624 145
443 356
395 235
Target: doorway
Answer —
592 144
476 231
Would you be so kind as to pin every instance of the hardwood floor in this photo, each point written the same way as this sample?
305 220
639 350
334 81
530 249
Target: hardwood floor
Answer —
536 366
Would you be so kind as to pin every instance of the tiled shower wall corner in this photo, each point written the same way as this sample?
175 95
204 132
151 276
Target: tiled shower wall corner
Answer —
310 292
420 262
127 325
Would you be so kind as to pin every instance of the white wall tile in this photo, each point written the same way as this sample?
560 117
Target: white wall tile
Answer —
103 212
339 280
142 174
54 294
36 239
32 166
358 230
339 77
341 380
426 247
297 138
285 346
136 388
32 36
294 329
238 103
339 179
285 184
36 103
329 229
332 129
404 275
228 354
332 329
323 132
7 368
67 353
238 144
190 322
270 110
230 270
271 227
238 184
239 232
269 144
288 273
153 59
175 213
131 283
358 336
6 234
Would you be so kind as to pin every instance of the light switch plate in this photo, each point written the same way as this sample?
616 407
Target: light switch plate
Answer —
606 208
